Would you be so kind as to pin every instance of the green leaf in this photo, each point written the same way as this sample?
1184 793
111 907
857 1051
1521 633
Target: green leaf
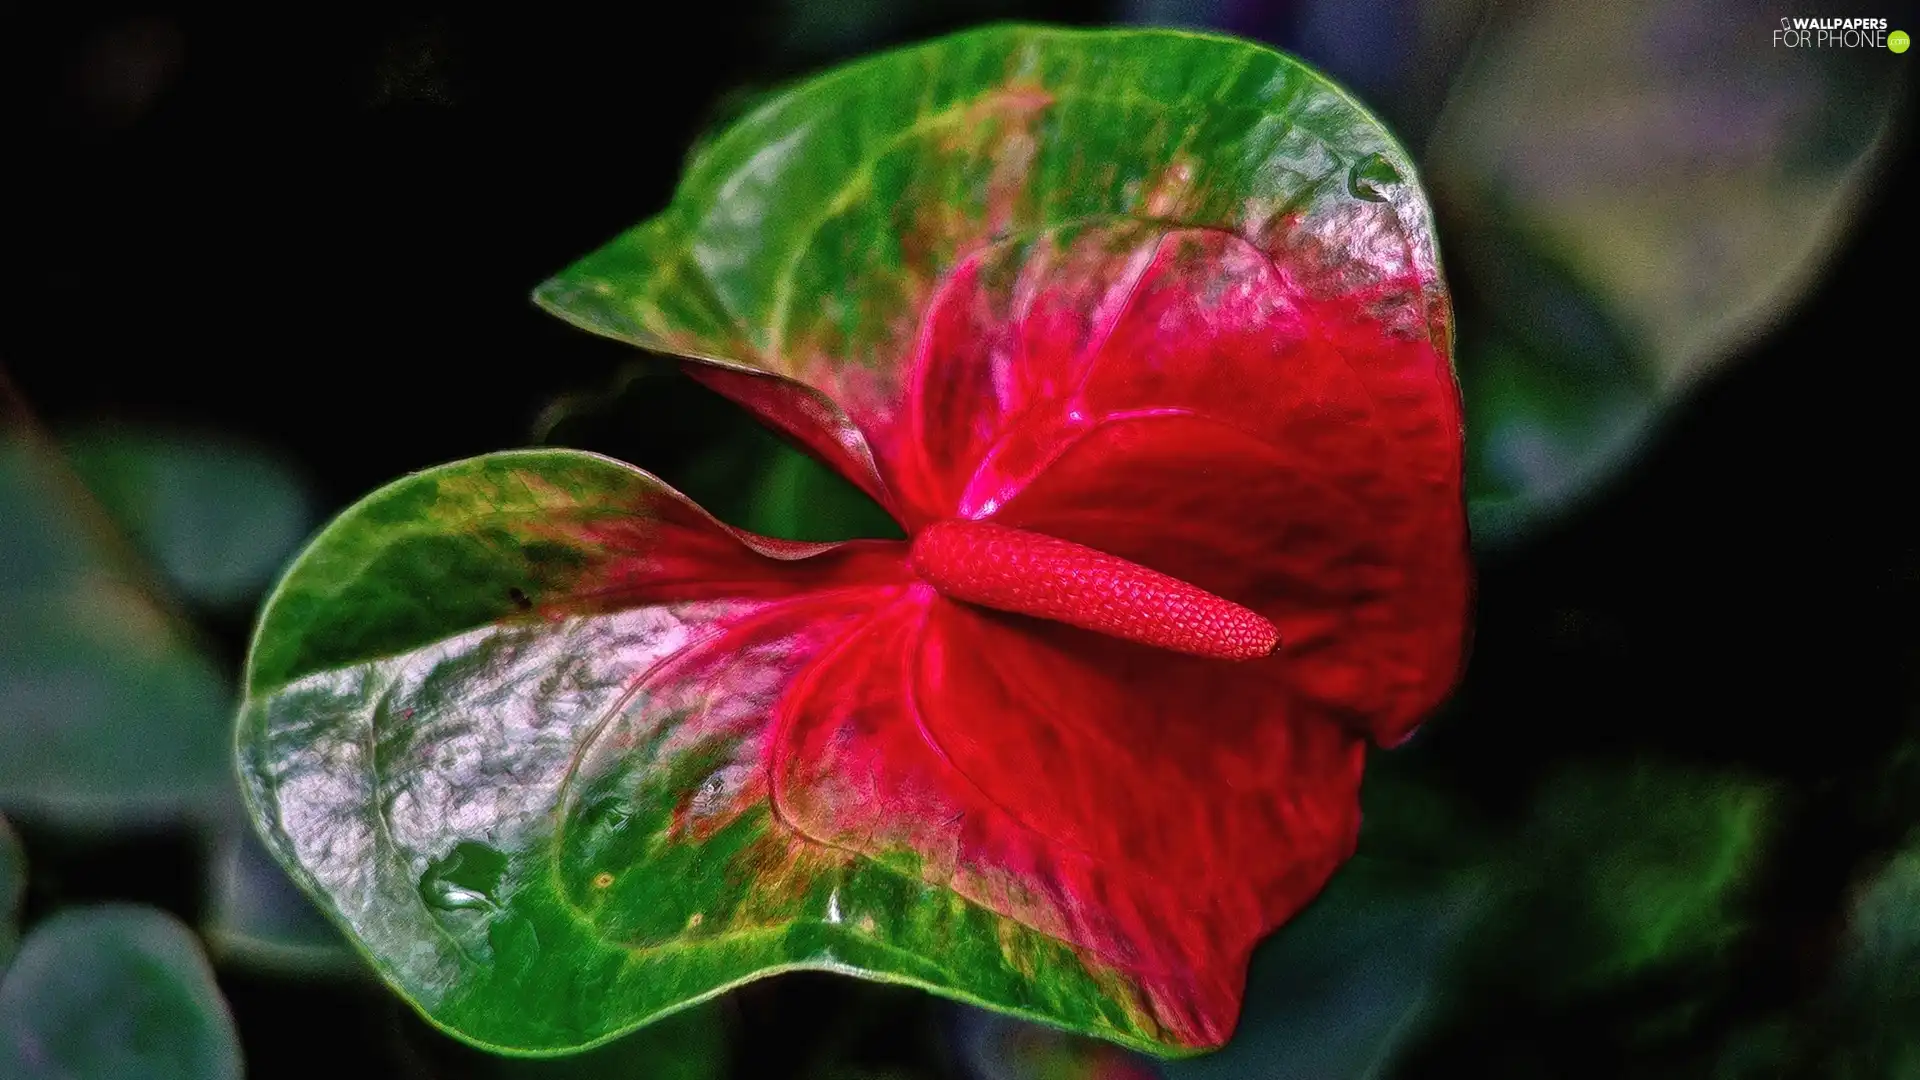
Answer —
107 710
219 519
1628 224
570 827
806 240
110 993
13 891
795 497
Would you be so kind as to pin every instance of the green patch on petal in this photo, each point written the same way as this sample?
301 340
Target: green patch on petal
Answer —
807 239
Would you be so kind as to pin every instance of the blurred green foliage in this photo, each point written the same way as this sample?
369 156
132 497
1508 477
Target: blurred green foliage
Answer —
1876 994
1620 872
110 993
217 518
13 889
109 709
1629 193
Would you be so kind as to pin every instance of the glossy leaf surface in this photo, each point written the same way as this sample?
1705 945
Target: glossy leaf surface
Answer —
667 877
564 753
113 992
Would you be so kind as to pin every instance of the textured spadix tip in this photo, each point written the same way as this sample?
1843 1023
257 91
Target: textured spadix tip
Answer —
1029 573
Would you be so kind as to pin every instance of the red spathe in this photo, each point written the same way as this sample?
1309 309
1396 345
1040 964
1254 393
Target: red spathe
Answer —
1285 444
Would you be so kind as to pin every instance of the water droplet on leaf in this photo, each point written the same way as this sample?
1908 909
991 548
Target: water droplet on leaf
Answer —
718 792
467 879
1370 175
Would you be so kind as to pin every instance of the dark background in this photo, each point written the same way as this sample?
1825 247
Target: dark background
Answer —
320 234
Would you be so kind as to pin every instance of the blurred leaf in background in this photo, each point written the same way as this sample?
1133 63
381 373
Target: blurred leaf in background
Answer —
114 711
1631 193
1620 911
1862 1021
1341 992
1878 976
219 519
109 709
259 917
13 889
110 993
994 1046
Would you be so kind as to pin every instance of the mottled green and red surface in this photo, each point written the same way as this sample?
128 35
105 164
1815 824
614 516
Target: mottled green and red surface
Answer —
563 753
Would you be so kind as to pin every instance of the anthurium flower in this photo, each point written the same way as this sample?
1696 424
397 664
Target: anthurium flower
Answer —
1141 338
